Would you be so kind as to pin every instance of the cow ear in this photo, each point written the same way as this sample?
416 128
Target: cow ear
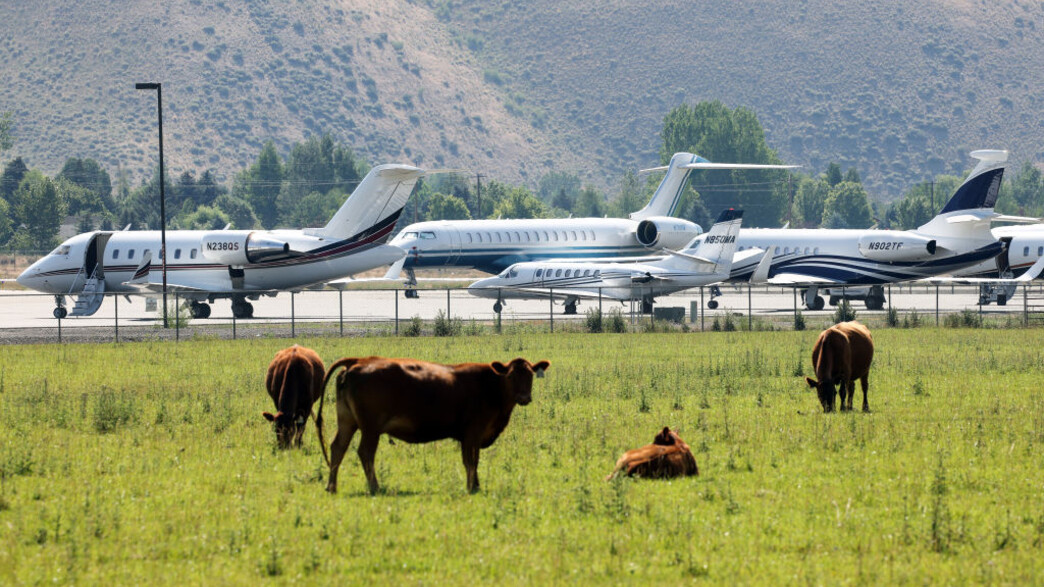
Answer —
811 382
499 368
268 416
540 367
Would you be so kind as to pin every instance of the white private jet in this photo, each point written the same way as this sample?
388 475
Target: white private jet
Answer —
493 245
204 265
708 259
1002 274
958 237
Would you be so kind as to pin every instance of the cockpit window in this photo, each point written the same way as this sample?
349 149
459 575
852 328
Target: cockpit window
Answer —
62 250
410 234
427 234
512 272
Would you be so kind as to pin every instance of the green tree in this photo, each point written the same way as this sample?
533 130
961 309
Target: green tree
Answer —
238 210
631 197
833 174
809 200
559 189
722 135
11 177
519 203
1027 192
259 185
447 207
317 165
847 206
315 209
89 175
204 218
6 225
589 204
39 212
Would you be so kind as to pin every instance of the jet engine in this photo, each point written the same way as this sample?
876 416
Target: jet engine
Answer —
896 246
665 232
232 248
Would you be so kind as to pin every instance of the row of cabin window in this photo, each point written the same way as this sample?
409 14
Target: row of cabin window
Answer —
568 273
130 254
531 236
786 250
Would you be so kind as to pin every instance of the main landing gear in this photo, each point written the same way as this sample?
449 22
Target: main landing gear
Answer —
199 310
715 292
411 292
242 308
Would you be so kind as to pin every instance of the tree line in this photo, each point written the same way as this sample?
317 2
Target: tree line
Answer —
305 187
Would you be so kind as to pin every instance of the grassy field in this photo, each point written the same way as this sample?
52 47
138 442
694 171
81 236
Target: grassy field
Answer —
151 463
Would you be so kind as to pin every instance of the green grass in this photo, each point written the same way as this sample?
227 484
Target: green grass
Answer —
151 463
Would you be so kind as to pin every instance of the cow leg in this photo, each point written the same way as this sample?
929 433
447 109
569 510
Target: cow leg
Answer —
367 451
864 382
851 394
470 454
346 427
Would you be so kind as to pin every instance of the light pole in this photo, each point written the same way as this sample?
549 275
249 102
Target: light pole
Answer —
163 200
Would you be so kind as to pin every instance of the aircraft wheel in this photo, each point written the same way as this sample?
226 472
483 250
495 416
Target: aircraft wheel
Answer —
570 309
1002 300
200 310
497 307
412 294
834 300
818 303
249 309
713 304
60 312
874 303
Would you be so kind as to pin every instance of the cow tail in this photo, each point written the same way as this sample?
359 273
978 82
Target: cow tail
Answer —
345 363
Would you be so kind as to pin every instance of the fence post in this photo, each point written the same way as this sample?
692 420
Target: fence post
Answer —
116 310
293 318
937 304
702 312
551 308
500 296
59 331
395 292
447 303
233 325
750 309
1025 306
177 323
340 309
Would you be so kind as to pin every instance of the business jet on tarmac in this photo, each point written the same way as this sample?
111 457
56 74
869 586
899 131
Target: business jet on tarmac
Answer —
707 259
1001 275
203 265
958 237
493 245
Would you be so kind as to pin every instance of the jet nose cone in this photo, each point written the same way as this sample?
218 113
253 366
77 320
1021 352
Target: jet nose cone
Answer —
27 277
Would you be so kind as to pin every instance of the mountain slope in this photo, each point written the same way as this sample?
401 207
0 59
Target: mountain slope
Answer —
511 89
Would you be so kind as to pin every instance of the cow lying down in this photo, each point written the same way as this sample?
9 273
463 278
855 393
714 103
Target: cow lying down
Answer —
417 401
668 456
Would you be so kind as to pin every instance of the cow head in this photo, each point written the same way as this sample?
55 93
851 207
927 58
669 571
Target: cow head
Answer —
288 428
666 437
827 392
518 375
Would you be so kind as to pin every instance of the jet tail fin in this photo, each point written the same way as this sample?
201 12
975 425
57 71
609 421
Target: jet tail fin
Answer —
713 251
375 205
974 198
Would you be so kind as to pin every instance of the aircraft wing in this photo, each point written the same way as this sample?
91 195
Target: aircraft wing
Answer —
797 279
1029 275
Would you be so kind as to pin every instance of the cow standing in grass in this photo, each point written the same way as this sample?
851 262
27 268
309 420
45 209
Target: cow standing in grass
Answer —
417 401
668 456
295 383
841 355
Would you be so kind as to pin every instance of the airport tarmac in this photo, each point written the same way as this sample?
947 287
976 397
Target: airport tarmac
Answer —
27 316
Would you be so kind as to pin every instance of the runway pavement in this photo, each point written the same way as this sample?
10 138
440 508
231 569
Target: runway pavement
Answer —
27 317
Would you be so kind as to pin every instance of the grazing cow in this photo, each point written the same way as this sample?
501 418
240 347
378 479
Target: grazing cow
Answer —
668 456
417 401
841 355
295 382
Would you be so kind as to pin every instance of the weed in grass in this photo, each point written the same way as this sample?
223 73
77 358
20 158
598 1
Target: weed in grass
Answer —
844 312
414 326
446 325
112 409
799 321
593 320
918 388
616 322
892 317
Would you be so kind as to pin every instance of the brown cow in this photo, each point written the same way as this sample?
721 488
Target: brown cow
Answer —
417 401
668 456
841 355
295 382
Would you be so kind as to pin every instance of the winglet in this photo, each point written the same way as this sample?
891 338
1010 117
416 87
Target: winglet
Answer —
760 274
141 274
1032 272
